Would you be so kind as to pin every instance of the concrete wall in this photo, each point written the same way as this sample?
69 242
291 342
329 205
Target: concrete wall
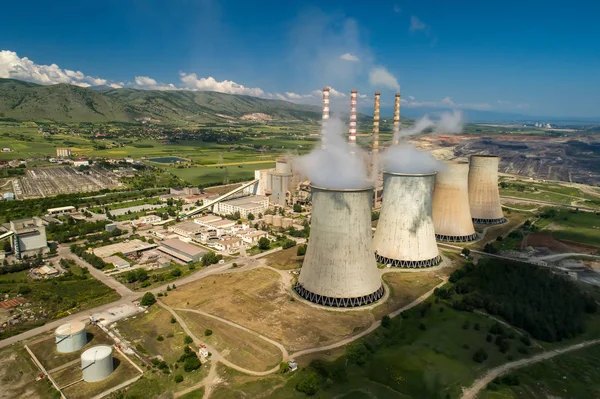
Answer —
405 229
484 197
339 261
451 212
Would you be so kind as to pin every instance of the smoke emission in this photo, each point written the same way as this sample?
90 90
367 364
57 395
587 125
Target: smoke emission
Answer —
405 158
334 164
449 122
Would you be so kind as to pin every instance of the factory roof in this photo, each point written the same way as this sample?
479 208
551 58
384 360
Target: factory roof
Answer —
188 227
184 247
117 261
223 223
208 218
123 247
247 202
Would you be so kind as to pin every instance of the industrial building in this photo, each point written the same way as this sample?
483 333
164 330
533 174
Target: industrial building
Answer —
253 204
405 236
61 211
279 184
484 196
130 248
181 250
187 229
70 337
97 363
117 262
339 268
63 152
451 212
28 238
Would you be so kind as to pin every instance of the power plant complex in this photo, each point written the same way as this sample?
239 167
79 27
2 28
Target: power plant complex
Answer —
484 197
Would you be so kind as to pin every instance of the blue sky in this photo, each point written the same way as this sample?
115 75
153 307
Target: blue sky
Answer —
530 57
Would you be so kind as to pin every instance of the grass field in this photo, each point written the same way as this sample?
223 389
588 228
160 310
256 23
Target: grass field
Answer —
17 376
285 259
161 276
571 376
143 329
236 385
238 346
219 175
493 232
582 227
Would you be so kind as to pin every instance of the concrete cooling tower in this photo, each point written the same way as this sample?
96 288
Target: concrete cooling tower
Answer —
97 363
451 212
70 337
405 236
339 268
484 197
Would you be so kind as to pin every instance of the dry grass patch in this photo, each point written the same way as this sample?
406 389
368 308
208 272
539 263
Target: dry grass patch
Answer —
404 288
238 346
285 259
515 219
143 329
258 300
17 376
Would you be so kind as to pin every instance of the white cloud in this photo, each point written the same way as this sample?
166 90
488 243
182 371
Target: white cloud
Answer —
445 102
192 82
349 57
379 76
14 67
416 24
147 83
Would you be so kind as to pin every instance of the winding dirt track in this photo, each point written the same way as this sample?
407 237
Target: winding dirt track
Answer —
479 384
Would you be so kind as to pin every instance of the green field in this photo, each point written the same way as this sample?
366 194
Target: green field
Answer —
571 376
582 227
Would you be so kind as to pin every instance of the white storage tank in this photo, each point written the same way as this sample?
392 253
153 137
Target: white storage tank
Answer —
70 337
286 223
97 363
268 219
277 220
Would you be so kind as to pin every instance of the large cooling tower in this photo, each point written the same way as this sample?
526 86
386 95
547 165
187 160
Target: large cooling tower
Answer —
484 197
339 268
451 213
405 236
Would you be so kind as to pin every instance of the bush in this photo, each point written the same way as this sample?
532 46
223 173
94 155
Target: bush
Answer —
210 258
176 272
148 299
301 250
288 244
191 363
178 378
264 243
173 321
357 353
309 383
466 251
284 367
422 327
386 321
489 338
24 290
208 332
480 356
160 338
187 340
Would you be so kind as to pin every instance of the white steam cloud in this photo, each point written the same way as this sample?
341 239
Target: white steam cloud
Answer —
380 76
405 158
335 164
449 122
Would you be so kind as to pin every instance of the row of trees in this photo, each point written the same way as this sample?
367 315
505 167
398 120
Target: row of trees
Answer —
90 258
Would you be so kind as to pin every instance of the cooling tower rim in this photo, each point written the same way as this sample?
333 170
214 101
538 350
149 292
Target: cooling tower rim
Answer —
483 156
71 328
344 190
385 172
97 352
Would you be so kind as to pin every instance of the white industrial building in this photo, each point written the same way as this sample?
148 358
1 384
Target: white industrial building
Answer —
63 152
405 236
279 183
339 268
29 237
117 262
60 211
253 204
182 250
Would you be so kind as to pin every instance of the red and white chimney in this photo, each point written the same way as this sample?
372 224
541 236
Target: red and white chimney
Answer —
396 118
326 103
352 133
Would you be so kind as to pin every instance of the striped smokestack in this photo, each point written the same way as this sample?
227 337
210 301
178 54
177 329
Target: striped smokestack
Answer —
326 103
375 135
396 118
352 133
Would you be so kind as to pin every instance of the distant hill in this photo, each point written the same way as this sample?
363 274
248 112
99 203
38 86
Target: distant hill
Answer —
26 101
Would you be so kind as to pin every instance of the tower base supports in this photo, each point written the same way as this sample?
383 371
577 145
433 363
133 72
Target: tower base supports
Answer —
409 264
490 221
339 302
469 238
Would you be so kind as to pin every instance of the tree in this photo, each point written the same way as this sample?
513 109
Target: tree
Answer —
288 244
187 340
490 249
301 250
284 367
148 299
264 243
386 321
173 321
298 208
465 251
309 384
176 272
208 332
191 363
210 258
178 378
250 216
480 356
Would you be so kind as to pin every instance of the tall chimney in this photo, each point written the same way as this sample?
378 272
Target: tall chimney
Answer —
326 103
376 137
396 118
352 135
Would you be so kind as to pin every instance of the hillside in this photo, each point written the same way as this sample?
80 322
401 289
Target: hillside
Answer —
25 101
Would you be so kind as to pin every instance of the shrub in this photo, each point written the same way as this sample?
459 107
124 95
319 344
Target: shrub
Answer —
264 243
284 367
188 340
386 321
24 290
173 321
176 272
148 299
422 327
178 378
208 332
489 338
160 338
357 353
191 363
480 356
301 250
309 383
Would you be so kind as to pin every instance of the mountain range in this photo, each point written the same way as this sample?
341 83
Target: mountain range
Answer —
24 101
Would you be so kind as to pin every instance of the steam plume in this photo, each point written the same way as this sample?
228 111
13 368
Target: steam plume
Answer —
405 158
449 122
335 165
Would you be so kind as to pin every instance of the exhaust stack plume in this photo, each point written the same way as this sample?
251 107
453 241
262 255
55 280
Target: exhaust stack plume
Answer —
451 212
405 236
352 132
396 118
339 269
484 197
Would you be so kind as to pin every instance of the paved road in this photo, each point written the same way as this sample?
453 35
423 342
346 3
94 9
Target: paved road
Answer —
567 255
479 384
533 201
